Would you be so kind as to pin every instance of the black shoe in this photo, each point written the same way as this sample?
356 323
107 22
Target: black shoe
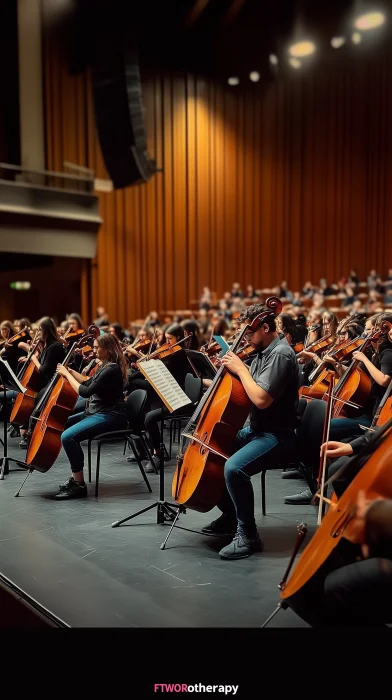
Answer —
242 547
15 433
71 489
300 499
23 444
224 525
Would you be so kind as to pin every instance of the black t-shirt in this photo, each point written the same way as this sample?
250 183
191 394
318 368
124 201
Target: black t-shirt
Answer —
52 356
383 362
104 390
275 370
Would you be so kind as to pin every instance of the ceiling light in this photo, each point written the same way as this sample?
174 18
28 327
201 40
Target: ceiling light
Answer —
254 76
370 20
356 38
337 42
295 63
273 59
302 48
233 81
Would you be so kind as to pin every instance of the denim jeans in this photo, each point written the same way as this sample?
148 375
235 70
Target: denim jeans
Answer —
253 453
81 427
343 429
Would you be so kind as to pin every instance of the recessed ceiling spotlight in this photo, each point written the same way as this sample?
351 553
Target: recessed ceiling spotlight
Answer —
233 81
273 59
370 20
295 63
302 48
337 42
254 76
356 38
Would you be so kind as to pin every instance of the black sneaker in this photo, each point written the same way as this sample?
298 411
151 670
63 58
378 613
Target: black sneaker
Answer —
71 489
304 498
242 546
23 444
224 525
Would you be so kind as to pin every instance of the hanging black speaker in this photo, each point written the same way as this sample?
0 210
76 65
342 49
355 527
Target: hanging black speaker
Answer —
119 116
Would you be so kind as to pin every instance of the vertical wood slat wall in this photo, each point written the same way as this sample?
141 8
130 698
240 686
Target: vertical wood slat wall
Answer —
293 182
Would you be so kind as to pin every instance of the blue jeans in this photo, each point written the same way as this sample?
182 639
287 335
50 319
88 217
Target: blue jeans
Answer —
253 452
82 428
342 429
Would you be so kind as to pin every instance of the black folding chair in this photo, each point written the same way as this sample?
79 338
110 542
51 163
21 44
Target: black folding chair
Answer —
193 390
135 405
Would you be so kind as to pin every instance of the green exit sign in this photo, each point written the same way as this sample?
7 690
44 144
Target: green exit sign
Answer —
20 286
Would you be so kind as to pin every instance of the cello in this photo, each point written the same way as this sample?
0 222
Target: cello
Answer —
198 481
55 408
30 378
337 527
355 385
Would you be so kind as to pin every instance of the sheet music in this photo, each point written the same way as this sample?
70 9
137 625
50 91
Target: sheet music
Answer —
18 386
164 384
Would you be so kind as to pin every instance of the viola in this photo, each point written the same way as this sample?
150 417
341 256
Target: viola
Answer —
72 336
23 335
52 414
328 546
198 481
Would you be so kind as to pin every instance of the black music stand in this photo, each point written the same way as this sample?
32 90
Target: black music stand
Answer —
10 382
201 364
173 397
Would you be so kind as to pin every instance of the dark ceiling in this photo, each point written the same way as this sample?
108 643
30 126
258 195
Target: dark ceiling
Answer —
214 37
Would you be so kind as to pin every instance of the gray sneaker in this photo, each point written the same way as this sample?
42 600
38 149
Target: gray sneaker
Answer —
151 467
242 546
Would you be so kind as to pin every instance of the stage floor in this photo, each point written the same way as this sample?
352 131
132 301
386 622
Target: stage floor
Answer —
68 557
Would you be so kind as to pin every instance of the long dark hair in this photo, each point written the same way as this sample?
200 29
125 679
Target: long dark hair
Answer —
115 354
289 327
176 330
191 327
48 331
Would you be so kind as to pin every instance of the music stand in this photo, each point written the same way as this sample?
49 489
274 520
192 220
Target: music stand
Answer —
9 381
201 364
174 398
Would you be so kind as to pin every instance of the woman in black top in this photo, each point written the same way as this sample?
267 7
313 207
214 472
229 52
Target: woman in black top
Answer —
105 409
51 354
178 366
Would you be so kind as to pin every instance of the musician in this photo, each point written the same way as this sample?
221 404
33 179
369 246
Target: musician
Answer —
356 593
105 409
178 365
191 331
51 354
380 371
75 323
285 325
10 353
271 384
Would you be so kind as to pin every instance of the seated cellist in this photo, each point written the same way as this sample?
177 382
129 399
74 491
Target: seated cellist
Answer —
271 384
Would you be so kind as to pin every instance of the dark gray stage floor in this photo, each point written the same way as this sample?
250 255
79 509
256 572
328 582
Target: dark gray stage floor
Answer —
68 557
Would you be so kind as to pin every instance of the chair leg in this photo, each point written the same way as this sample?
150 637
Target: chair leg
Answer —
170 438
143 473
125 445
263 473
89 461
97 470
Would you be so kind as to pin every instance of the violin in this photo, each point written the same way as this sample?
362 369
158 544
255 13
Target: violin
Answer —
70 336
23 335
52 413
164 351
198 481
328 547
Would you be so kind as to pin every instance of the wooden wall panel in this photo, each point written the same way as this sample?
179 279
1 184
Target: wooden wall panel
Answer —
286 181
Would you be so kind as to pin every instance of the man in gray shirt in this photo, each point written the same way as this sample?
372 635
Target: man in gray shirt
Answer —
271 384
